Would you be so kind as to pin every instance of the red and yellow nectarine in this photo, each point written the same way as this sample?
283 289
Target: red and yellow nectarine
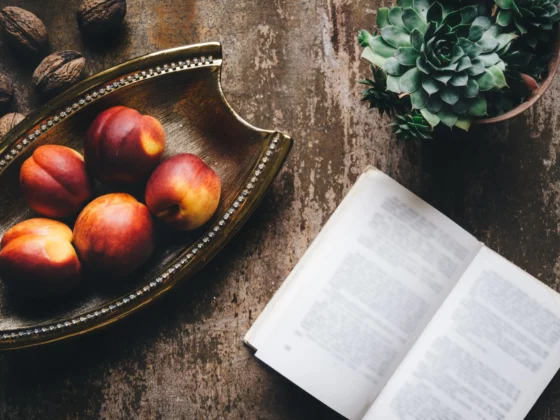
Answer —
114 234
122 146
54 181
183 191
37 258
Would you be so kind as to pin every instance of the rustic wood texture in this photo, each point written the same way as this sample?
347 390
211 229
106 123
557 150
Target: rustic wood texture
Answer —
291 65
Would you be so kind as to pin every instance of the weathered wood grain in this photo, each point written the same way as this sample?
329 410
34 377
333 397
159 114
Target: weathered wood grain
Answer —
291 65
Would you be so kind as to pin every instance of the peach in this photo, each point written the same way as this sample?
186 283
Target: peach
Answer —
54 181
123 147
37 258
114 234
183 191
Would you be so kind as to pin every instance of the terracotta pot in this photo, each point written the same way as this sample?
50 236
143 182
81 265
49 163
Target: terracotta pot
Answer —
538 93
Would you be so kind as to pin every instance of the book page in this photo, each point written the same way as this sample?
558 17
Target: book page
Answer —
364 293
487 354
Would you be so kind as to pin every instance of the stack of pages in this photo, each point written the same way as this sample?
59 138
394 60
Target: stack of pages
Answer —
397 313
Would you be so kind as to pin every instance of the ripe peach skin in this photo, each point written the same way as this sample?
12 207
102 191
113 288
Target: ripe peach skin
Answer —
38 260
122 146
183 191
54 181
114 234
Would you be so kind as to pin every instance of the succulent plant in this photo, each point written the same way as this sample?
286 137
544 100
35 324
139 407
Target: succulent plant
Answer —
534 18
412 126
377 94
444 59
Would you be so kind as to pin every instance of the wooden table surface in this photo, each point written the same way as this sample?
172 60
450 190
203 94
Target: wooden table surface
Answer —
290 65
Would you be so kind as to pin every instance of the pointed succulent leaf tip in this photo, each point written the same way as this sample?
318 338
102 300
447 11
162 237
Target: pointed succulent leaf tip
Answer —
464 123
394 68
468 14
434 104
448 117
417 39
432 119
382 17
430 85
478 107
435 13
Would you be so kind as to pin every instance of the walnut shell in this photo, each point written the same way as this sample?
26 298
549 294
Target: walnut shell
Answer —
98 17
24 31
9 121
58 72
6 90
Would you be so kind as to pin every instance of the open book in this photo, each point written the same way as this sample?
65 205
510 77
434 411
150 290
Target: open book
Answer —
396 313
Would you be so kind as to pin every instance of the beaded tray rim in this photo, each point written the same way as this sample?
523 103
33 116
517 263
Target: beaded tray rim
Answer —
274 151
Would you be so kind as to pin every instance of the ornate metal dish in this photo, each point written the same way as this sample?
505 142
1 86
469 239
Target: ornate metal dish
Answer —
180 87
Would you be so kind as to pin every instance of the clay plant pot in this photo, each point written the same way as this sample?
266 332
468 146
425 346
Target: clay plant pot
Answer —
538 93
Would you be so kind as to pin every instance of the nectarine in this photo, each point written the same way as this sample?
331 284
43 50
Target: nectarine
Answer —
54 181
122 146
37 258
183 191
114 234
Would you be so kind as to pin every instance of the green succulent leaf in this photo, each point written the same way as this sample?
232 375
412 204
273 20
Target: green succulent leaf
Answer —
464 123
444 76
505 4
407 56
450 95
380 47
395 17
410 81
434 104
504 18
472 90
418 99
478 107
417 39
422 6
364 38
459 79
463 64
489 60
448 117
404 3
499 76
413 21
382 17
486 81
422 66
453 19
488 45
373 58
393 67
430 85
461 106
393 84
472 49
478 27
432 119
469 14
396 37
435 13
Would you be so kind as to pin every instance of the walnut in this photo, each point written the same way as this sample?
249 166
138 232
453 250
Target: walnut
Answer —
24 31
58 71
6 91
99 17
9 121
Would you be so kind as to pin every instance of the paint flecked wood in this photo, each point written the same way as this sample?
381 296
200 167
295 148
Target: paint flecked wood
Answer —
290 65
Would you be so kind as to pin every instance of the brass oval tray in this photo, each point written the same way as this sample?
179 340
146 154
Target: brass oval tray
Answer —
181 87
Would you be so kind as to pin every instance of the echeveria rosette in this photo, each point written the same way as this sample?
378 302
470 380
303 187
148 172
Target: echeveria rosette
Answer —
534 18
444 61
378 96
412 126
